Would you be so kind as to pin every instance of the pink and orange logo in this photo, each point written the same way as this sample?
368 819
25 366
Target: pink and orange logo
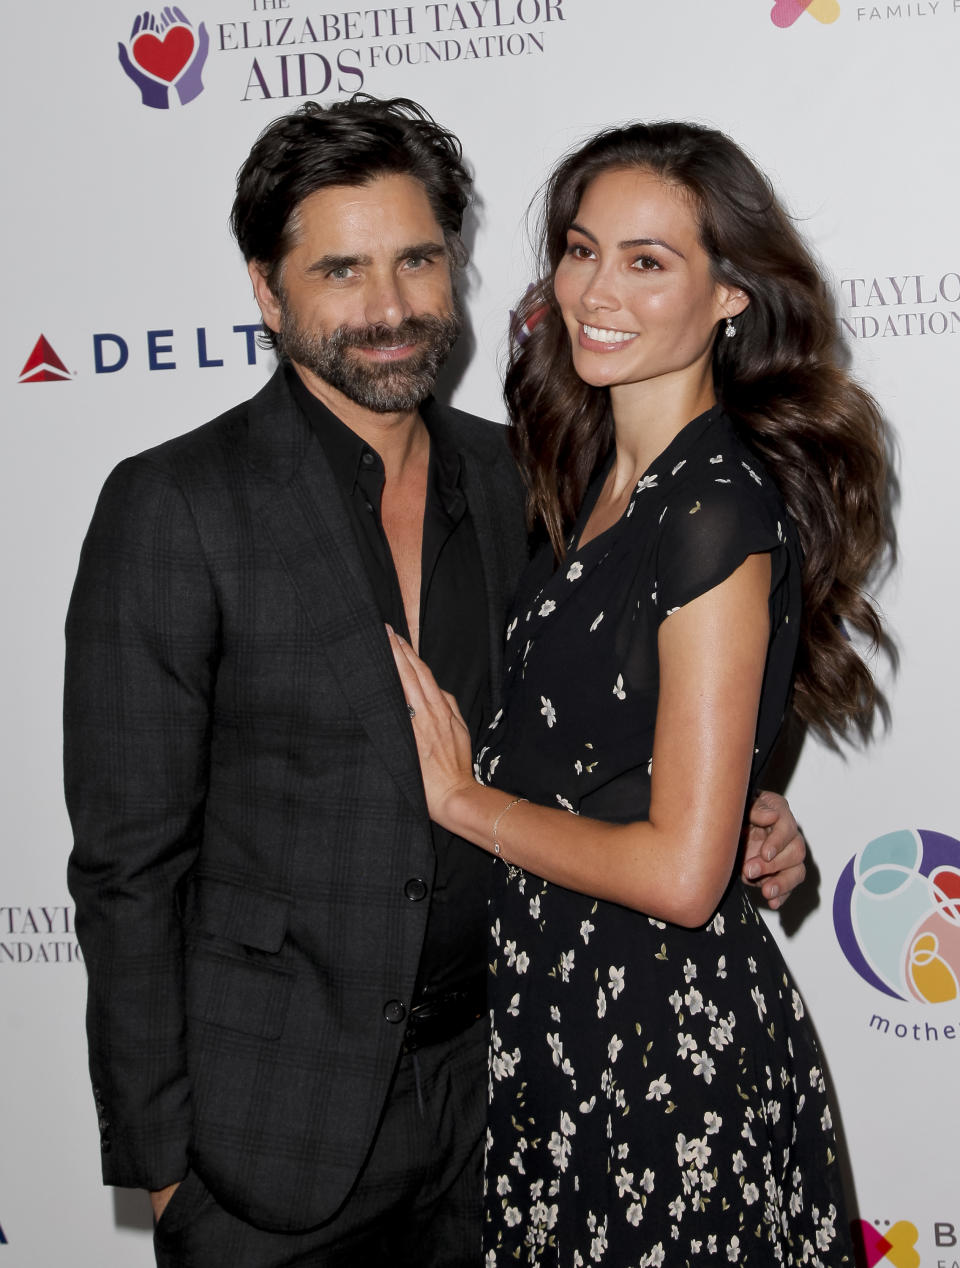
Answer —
786 12
896 1245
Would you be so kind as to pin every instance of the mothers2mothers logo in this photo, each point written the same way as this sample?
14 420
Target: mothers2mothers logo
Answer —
896 911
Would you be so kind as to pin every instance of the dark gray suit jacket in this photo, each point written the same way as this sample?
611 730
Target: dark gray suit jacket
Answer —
247 807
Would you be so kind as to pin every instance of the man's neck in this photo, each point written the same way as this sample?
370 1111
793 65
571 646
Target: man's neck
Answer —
398 437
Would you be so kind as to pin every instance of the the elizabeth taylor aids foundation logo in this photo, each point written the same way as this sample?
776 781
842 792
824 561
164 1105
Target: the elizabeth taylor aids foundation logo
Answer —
165 54
896 911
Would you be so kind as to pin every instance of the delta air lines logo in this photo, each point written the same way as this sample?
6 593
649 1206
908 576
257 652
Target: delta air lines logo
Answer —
165 54
786 12
896 911
44 366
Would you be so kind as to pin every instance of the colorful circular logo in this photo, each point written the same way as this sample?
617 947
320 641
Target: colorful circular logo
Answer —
896 911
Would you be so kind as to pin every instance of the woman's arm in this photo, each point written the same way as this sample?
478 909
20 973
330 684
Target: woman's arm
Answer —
676 865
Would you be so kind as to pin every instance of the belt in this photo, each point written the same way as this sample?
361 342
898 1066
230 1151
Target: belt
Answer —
445 1016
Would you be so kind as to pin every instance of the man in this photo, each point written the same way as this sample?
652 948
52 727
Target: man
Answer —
285 960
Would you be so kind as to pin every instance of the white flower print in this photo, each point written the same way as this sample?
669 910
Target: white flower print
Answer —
713 1122
503 1185
751 964
512 1216
623 1150
586 929
646 1182
492 767
705 1066
566 964
535 907
510 629
601 1003
614 1047
513 1009
739 1162
648 482
555 1044
596 622
618 690
689 971
718 458
676 1208
658 1088
567 805
733 1249
548 606
575 571
681 463
655 1258
624 1182
826 1119
694 1001
750 1193
496 722
554 1013
578 766
687 1044
797 1005
616 983
634 1213
676 1001
548 711
567 1125
750 471
722 967
560 1150
758 998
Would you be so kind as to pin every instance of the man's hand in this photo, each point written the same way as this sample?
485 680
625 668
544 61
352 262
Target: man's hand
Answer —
159 1199
774 849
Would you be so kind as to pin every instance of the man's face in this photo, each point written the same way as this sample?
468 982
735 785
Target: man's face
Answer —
365 302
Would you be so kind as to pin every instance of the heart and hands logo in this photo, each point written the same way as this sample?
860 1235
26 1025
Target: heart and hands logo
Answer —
165 51
786 12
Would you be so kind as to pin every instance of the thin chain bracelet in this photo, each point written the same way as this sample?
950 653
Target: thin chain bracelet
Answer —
496 828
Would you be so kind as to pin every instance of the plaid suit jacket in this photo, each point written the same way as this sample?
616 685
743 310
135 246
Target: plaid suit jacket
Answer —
246 800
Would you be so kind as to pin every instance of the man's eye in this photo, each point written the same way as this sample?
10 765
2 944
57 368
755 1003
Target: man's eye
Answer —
341 274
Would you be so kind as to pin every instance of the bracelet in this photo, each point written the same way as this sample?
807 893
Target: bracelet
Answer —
496 823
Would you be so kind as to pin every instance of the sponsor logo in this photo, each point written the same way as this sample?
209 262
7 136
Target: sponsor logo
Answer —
896 1245
900 305
159 350
38 935
164 55
44 366
896 912
785 12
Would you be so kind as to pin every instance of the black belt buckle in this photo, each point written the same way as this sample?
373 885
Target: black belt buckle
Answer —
444 1016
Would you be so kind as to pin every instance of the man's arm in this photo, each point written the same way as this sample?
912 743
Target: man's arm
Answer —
141 650
774 849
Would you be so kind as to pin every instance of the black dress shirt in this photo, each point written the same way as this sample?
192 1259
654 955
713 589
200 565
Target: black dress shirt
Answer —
453 642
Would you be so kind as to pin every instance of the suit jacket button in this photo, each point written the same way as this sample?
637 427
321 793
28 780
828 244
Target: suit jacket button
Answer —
415 889
394 1011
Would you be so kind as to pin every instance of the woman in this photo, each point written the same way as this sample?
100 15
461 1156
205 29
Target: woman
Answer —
709 483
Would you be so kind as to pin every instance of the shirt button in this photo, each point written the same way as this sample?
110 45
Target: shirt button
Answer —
415 889
369 506
367 458
394 1011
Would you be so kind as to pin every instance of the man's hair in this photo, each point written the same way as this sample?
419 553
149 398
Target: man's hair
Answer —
346 143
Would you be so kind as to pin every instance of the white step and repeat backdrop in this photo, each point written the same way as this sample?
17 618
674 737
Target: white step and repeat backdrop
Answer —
130 318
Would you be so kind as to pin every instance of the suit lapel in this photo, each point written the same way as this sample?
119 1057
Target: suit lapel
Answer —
308 525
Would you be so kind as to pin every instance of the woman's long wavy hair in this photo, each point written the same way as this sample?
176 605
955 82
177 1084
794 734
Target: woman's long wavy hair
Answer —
819 434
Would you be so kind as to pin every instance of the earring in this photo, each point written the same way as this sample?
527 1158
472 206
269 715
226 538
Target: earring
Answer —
730 329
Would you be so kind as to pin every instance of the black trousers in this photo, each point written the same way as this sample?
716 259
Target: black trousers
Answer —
417 1202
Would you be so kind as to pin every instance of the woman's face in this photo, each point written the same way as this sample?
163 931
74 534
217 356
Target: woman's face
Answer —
634 286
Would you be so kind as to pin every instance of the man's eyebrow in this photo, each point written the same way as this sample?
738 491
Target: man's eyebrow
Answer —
427 250
327 263
628 243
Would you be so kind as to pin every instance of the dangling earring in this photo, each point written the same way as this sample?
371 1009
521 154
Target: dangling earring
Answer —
730 329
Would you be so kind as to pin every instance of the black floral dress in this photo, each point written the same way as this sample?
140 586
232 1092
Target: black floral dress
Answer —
656 1095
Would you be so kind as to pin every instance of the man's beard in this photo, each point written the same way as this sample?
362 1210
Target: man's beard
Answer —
384 387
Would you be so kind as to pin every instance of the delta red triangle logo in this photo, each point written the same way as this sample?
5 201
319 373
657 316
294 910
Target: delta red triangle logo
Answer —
44 366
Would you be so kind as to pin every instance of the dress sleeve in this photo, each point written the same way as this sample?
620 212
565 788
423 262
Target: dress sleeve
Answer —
706 532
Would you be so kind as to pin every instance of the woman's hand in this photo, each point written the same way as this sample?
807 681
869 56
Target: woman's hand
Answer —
775 849
443 740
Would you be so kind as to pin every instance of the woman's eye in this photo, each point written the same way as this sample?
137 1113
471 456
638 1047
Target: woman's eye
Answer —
646 263
578 251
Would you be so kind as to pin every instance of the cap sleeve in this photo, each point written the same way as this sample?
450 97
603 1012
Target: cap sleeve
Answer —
706 533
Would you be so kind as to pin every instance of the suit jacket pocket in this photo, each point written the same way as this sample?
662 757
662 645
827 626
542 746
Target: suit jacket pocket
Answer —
234 935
